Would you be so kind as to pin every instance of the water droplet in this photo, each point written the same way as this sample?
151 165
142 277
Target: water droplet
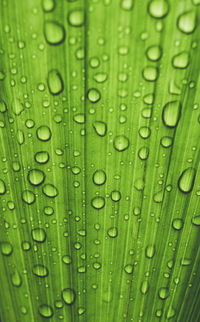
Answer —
181 60
186 261
100 128
121 143
2 187
98 202
48 211
20 137
187 22
100 77
150 251
16 279
150 73
2 75
126 4
6 248
36 177
158 197
163 293
144 132
79 118
144 287
112 232
94 95
40 270
186 180
149 99
55 82
99 177
129 268
170 313
38 235
166 141
45 311
43 133
54 32
48 5
28 197
50 190
143 153
158 8
196 220
76 18
17 107
68 296
42 157
66 259
154 53
3 106
177 224
171 114
115 195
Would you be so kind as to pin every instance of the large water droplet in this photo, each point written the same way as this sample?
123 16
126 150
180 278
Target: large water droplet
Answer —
181 60
36 177
50 190
43 133
158 8
45 311
28 197
121 143
55 82
186 180
98 202
54 32
150 251
68 296
99 177
171 113
79 118
177 224
100 128
115 195
42 157
38 235
187 22
40 270
76 18
6 248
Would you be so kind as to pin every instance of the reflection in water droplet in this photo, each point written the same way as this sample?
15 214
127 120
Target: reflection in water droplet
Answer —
196 220
154 53
166 141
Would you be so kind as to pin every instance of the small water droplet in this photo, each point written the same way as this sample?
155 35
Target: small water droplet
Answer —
42 157
48 5
112 232
163 293
94 95
6 248
16 279
2 187
128 268
115 195
98 202
166 141
154 53
177 224
196 220
43 133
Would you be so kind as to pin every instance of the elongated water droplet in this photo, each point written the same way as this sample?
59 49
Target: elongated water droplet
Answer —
68 296
100 128
99 177
163 293
54 32
144 287
16 279
3 106
50 190
150 251
186 180
181 60
187 22
171 114
55 82
38 235
40 270
28 197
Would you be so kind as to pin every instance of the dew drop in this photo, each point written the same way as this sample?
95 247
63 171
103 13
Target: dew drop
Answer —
128 268
112 232
54 32
94 95
68 296
48 5
40 270
144 132
28 197
50 190
154 53
38 235
2 187
79 118
48 211
171 114
76 18
16 279
121 143
181 61
36 177
166 141
3 106
100 128
158 8
6 248
45 311
150 251
55 82
42 157
100 77
98 202
196 220
43 133
150 73
99 177
187 22
126 5
66 259
144 287
186 180
163 293
115 195
143 153
177 224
